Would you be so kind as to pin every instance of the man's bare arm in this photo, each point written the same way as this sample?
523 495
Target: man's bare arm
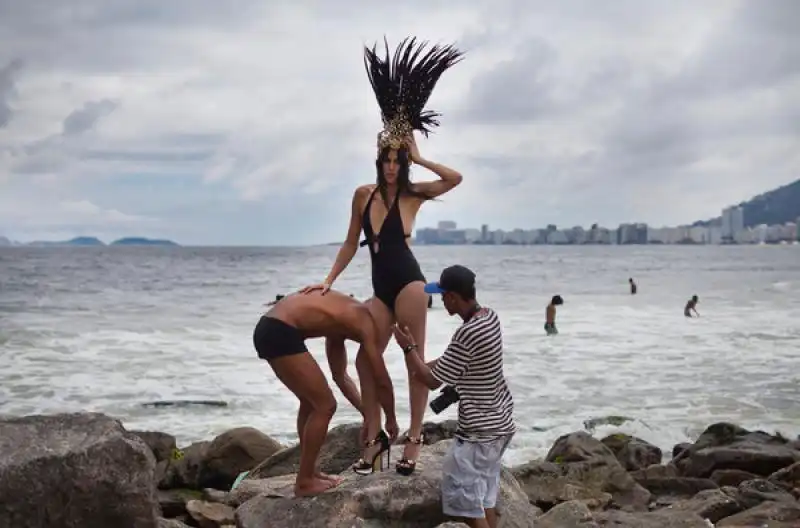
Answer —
336 351
422 370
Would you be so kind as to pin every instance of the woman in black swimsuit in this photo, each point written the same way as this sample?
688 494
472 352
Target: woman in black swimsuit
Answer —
386 212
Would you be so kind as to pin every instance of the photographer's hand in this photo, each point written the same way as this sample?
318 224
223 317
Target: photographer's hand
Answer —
416 365
403 337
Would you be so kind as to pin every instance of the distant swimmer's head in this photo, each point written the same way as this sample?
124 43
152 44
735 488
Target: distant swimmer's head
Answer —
277 299
557 300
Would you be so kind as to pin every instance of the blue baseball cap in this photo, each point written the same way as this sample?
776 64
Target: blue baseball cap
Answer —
456 279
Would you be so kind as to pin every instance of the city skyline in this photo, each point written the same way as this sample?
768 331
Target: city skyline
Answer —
730 231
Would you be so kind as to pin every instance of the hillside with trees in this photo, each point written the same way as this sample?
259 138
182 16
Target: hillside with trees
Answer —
774 207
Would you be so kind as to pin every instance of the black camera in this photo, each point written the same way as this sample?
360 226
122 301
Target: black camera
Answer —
447 397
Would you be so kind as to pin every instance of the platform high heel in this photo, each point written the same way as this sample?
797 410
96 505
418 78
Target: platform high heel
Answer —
365 467
406 466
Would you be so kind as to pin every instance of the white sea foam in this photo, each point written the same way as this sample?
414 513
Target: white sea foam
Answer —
110 330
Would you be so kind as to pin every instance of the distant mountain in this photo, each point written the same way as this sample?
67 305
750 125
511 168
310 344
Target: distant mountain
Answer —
139 241
86 241
775 207
89 241
77 241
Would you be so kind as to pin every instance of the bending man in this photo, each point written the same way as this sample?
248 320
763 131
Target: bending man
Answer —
279 338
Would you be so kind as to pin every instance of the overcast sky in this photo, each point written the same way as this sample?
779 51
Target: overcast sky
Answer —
252 121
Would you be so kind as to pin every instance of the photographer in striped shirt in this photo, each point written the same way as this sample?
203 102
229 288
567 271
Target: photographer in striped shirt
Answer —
471 369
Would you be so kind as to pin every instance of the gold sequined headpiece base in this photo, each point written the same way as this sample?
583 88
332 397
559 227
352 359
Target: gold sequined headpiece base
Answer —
395 132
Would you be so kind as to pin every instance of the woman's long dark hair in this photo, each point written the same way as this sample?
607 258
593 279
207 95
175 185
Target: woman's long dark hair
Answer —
404 185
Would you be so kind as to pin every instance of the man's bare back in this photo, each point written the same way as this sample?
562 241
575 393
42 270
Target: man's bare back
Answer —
550 314
318 315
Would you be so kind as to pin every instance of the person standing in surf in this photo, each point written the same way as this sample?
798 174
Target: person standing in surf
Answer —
386 211
550 315
691 306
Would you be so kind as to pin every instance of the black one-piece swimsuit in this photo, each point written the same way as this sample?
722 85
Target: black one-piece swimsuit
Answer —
393 263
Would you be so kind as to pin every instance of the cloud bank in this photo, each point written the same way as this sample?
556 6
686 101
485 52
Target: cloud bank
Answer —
252 122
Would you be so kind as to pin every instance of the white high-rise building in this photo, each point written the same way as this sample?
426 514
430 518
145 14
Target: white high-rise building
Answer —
732 223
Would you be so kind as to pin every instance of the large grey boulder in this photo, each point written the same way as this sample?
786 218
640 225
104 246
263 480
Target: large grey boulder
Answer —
74 470
382 499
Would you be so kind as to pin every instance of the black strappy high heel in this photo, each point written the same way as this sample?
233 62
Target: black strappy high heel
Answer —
406 466
363 467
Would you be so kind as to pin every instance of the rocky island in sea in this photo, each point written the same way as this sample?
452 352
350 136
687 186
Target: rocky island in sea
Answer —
91 241
86 469
141 241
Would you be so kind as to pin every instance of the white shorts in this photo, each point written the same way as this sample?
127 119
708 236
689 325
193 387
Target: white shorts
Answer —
471 477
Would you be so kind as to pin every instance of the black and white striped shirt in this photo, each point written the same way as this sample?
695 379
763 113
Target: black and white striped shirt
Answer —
473 364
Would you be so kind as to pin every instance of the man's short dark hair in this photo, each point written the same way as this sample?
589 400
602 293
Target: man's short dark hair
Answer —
557 300
457 279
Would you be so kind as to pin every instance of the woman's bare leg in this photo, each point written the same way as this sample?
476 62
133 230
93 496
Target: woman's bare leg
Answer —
411 310
369 397
301 375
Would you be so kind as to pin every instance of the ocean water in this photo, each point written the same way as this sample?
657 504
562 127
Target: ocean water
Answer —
110 329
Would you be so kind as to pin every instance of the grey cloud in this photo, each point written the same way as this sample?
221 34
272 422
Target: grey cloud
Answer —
58 151
71 154
134 156
83 119
94 14
668 128
115 35
758 47
518 89
643 122
7 90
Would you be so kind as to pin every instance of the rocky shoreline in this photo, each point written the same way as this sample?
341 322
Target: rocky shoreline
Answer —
86 470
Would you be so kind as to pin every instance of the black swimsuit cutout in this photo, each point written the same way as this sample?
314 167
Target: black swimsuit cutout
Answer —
393 264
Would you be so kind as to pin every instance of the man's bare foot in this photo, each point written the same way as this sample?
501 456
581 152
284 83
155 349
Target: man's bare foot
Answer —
333 478
311 487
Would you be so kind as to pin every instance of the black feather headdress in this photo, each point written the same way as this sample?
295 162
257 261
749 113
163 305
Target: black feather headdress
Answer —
403 84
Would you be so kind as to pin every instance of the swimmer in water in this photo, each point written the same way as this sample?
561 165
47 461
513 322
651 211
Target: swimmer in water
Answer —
550 315
276 301
633 286
691 307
